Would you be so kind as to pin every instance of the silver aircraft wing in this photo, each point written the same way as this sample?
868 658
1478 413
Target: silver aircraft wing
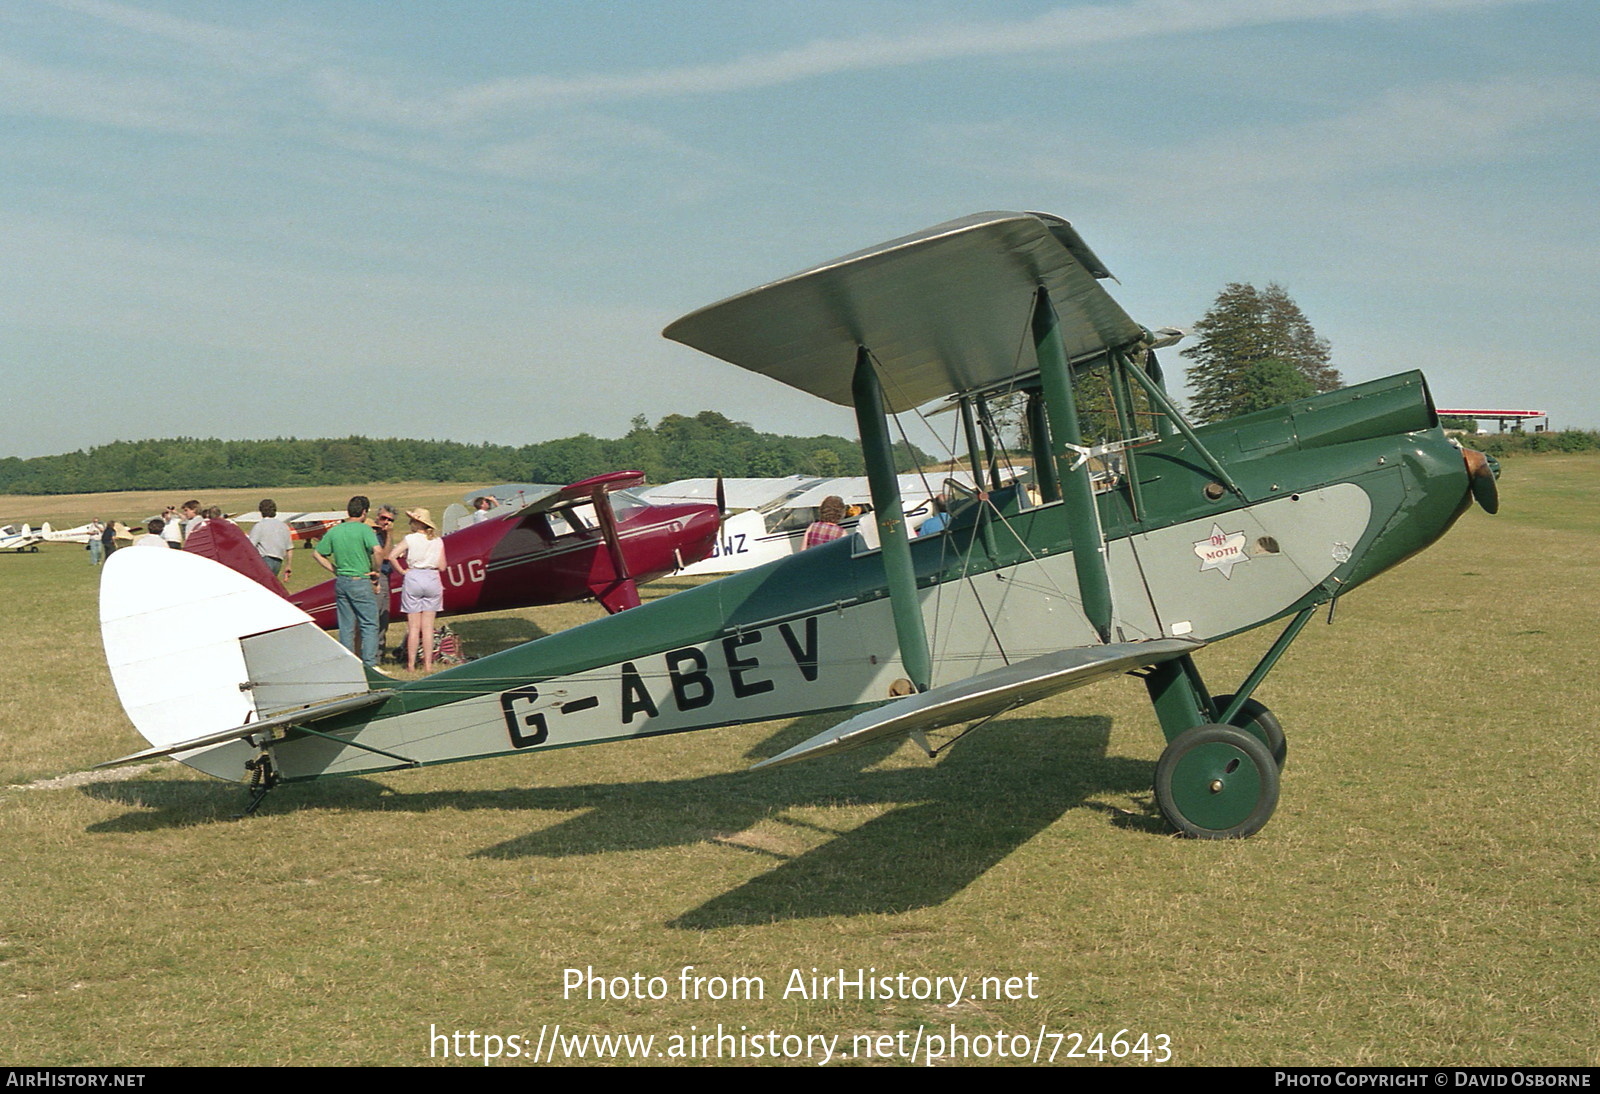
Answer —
989 693
942 311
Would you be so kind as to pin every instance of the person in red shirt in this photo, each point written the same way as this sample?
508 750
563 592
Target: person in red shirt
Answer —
828 525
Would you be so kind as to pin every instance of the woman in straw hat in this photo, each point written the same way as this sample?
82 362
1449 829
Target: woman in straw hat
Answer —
422 593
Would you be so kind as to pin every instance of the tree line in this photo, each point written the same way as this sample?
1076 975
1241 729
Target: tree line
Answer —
1520 443
677 447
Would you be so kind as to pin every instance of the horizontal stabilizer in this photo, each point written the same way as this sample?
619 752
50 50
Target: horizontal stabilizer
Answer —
989 693
293 718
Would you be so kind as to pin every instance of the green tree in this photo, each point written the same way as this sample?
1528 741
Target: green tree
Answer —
826 462
1271 383
1247 326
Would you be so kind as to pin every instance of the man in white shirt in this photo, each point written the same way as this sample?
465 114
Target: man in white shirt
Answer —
273 539
191 517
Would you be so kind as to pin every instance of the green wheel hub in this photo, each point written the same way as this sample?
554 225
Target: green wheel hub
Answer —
1217 782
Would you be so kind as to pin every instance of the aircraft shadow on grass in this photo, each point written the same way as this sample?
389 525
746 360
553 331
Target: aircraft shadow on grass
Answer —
946 823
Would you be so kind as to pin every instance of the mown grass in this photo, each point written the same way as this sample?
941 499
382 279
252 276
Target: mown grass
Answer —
1425 894
71 510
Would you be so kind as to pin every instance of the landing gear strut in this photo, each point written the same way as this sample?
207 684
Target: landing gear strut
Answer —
1260 723
1219 775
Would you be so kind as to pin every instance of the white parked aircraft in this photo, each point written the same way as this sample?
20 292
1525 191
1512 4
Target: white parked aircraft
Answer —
20 537
81 534
770 516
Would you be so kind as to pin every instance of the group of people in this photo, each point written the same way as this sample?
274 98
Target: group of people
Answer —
833 512
175 524
170 529
361 555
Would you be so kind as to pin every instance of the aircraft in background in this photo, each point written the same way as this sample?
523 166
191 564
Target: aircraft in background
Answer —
767 518
81 534
508 498
1206 533
303 527
594 538
22 537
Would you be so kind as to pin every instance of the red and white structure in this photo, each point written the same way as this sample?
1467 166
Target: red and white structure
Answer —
1515 417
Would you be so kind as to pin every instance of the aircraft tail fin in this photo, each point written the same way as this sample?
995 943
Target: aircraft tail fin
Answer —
197 650
223 541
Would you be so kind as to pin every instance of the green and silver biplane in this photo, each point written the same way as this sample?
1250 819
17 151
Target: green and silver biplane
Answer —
1125 556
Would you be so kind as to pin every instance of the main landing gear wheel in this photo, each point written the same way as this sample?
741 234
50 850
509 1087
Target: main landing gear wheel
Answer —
1217 782
1261 723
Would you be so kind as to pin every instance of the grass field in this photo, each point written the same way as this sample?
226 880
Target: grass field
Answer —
1425 895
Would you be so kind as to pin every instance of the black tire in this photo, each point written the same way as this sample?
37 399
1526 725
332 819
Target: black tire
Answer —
1261 723
1217 782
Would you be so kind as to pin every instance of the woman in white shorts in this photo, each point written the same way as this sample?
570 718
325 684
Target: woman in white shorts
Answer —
422 593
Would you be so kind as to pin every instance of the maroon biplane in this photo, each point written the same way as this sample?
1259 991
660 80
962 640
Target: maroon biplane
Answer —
591 539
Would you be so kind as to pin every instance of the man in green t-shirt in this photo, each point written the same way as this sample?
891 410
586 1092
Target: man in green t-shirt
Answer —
345 550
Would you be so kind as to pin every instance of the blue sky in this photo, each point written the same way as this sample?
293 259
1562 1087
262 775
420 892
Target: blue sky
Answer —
472 220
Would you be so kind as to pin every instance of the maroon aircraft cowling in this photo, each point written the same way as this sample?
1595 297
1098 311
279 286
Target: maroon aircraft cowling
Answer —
526 558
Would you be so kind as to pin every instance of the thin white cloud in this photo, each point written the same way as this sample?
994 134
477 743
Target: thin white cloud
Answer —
1439 125
1062 29
235 47
125 67
1432 126
347 90
587 143
119 101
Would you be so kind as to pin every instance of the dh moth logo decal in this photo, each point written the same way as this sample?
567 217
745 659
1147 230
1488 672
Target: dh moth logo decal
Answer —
1221 551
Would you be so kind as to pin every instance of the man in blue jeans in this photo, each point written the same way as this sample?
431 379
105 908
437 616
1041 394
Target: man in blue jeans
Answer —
346 550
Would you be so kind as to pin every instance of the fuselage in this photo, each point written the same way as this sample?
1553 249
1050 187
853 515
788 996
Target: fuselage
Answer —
1336 489
546 559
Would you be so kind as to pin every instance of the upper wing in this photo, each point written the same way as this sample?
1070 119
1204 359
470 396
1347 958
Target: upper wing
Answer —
511 496
945 310
989 693
600 484
739 494
585 490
